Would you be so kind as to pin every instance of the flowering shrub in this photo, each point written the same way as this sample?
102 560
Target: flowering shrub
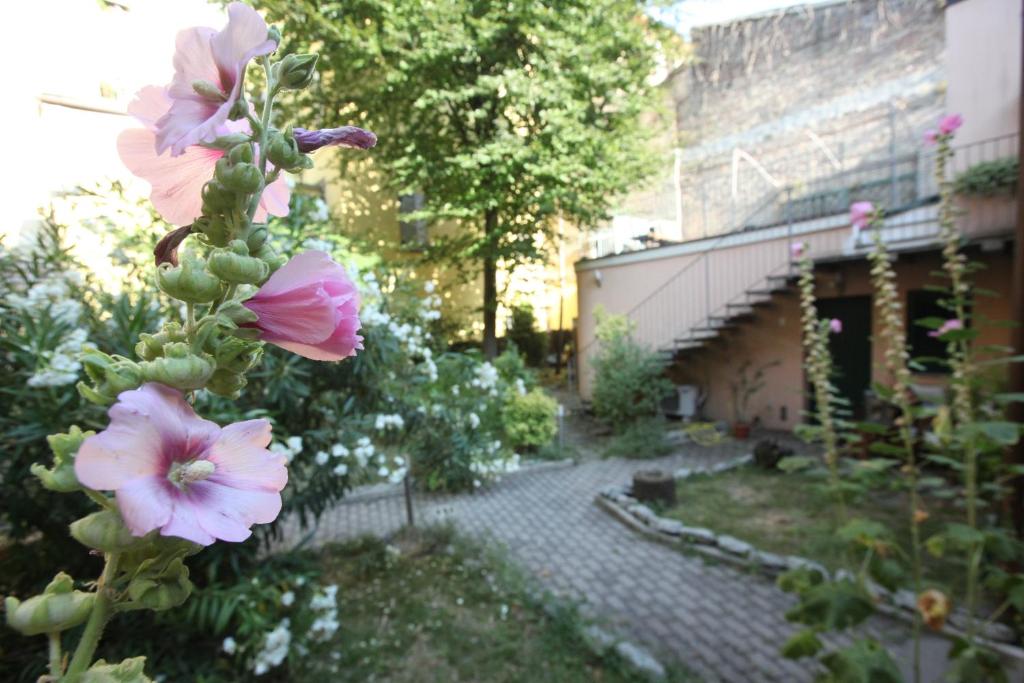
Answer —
180 481
530 419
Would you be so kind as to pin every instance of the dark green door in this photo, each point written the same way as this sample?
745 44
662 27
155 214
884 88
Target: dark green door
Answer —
851 348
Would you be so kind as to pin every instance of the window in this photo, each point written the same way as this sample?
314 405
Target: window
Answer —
413 233
922 303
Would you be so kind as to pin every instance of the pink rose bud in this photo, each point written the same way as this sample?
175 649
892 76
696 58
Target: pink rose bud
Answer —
836 325
309 307
950 123
860 214
176 472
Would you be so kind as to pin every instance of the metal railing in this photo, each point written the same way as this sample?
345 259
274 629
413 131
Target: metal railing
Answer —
717 277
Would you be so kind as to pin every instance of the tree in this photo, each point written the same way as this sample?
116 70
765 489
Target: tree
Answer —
503 115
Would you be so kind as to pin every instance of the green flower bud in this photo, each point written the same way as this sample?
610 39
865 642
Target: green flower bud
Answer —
151 346
283 151
219 199
61 477
57 609
237 355
243 178
179 368
110 376
159 588
274 34
234 313
188 282
257 237
227 384
226 142
240 154
295 71
128 671
233 264
269 255
103 530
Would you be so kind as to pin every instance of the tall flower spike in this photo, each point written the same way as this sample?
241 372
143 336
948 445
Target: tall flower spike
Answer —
209 67
177 181
174 471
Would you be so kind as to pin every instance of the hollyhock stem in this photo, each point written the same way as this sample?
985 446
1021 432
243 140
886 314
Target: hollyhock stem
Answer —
55 655
264 129
101 611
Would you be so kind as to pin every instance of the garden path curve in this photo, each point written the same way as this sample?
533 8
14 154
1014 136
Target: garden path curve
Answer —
723 623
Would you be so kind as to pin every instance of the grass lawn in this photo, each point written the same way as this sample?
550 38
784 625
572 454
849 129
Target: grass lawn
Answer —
792 514
445 610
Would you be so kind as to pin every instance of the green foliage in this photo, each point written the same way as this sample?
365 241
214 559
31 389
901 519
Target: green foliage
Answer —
628 378
644 438
522 333
530 419
704 433
505 116
768 453
865 661
989 178
745 386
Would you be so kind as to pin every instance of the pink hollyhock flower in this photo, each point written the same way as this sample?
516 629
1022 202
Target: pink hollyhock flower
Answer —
218 59
931 136
177 181
836 325
796 249
949 123
860 214
948 326
346 136
174 471
309 307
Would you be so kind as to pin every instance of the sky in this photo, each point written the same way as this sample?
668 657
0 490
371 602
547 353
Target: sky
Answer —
687 14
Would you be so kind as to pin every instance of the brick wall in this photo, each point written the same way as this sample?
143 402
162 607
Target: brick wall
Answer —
802 94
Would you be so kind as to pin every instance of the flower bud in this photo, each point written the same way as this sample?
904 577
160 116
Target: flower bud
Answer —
240 154
283 152
226 142
256 238
933 605
188 282
57 609
61 477
103 530
151 346
269 255
296 71
234 313
128 671
217 200
233 264
179 368
226 383
160 588
243 178
110 376
218 227
238 355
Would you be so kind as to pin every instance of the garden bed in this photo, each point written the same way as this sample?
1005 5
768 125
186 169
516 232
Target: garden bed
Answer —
773 522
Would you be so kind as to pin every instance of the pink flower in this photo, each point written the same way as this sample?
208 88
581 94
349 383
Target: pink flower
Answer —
948 326
309 307
860 214
174 471
177 181
346 136
931 136
218 59
796 249
835 325
949 123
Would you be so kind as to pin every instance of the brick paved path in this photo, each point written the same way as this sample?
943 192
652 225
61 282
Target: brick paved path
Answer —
723 623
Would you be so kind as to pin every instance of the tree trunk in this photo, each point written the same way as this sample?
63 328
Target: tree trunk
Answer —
490 288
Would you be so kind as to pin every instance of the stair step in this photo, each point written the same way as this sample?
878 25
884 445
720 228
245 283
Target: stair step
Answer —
766 292
785 279
708 328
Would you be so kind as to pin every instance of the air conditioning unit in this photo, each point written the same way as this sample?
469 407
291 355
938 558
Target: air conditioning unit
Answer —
683 403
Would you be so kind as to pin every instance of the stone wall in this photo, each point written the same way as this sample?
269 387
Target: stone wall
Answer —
798 95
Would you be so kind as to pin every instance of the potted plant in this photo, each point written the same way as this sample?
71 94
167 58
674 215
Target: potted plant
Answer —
744 387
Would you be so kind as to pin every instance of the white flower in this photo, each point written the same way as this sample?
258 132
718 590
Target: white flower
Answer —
322 457
520 386
229 645
339 451
275 648
429 286
383 471
294 444
341 469
474 421
287 599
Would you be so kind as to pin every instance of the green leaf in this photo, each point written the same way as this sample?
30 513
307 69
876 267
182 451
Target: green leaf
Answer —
1002 432
797 463
802 644
832 606
866 661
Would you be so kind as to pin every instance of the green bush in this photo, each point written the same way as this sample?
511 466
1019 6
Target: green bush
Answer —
989 178
530 419
528 340
628 383
644 438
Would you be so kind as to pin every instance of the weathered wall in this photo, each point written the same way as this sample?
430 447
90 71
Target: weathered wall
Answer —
773 335
802 93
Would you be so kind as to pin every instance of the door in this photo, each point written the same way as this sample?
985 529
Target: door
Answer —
851 348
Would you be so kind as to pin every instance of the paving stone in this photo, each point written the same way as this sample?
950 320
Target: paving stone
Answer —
672 527
734 546
597 639
641 660
698 535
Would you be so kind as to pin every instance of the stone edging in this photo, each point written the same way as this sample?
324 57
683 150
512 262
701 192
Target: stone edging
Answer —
901 604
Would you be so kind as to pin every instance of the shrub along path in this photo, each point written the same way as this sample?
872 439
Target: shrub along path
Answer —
723 623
